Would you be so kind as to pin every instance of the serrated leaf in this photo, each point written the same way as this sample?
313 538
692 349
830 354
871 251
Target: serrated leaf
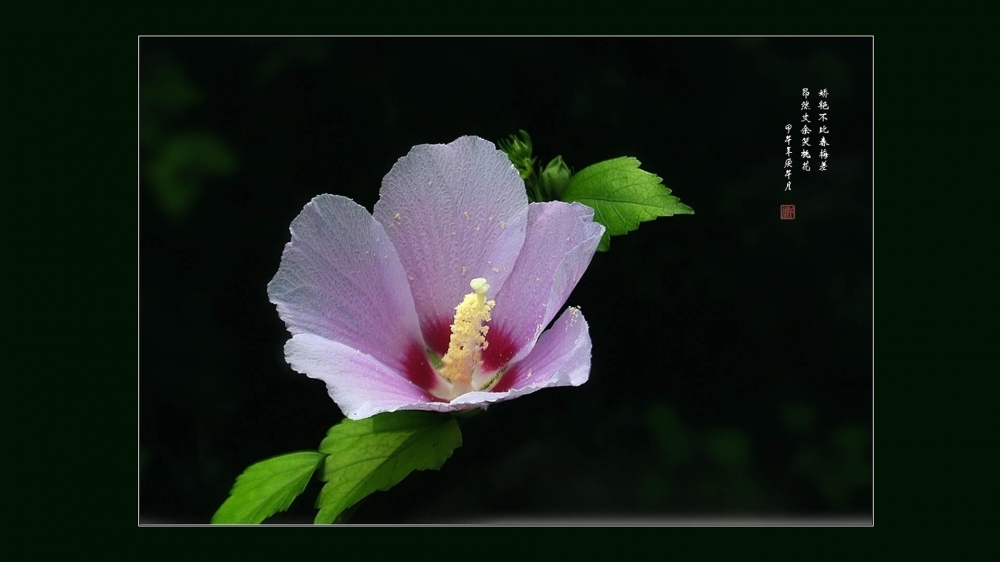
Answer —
267 487
376 453
622 196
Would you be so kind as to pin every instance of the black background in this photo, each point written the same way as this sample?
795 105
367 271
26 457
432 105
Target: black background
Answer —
732 360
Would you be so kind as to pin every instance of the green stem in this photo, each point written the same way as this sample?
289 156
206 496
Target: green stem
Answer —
538 193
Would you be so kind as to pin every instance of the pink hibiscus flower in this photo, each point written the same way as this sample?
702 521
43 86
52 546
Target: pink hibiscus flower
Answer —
438 300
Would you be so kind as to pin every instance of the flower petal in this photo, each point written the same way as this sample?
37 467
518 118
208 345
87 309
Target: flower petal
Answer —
340 278
363 387
454 212
360 384
560 358
560 242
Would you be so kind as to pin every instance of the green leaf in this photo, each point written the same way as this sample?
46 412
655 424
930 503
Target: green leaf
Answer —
622 196
268 487
376 453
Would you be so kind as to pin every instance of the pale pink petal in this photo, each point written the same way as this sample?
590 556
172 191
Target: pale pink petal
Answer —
361 385
454 212
560 242
561 357
340 278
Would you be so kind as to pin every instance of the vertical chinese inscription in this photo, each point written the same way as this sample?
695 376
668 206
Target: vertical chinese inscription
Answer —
807 139
824 107
788 157
805 131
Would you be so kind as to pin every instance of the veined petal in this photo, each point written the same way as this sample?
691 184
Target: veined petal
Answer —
340 278
560 358
560 242
454 212
360 384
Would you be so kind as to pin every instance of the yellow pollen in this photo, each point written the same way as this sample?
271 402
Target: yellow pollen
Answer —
468 334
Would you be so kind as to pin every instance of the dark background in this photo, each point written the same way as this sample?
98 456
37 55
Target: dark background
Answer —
732 360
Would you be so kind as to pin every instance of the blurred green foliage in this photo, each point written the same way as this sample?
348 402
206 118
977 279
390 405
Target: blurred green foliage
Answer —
718 466
840 466
290 53
184 164
179 163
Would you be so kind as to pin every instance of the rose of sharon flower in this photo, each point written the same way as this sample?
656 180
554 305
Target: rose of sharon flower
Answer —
438 300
